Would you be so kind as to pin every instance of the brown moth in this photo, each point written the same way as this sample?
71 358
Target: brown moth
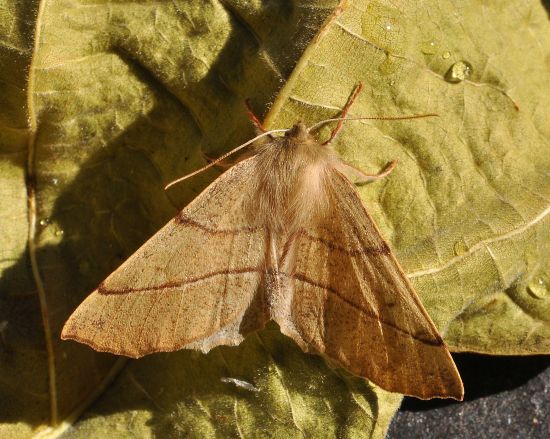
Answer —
280 236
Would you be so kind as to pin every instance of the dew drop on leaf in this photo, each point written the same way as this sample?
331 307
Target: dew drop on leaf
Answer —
458 72
428 47
538 288
460 248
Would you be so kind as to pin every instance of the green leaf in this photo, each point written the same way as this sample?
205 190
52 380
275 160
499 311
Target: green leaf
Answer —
280 393
122 97
24 372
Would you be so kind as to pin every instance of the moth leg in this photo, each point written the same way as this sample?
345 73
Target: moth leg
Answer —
359 177
344 112
253 118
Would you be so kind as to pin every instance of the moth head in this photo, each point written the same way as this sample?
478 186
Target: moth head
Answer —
299 133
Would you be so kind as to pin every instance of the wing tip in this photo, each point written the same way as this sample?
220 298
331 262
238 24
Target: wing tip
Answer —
65 335
452 391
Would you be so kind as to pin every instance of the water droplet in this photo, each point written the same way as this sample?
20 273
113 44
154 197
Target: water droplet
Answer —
44 222
537 288
387 27
428 47
458 72
460 248
446 55
59 232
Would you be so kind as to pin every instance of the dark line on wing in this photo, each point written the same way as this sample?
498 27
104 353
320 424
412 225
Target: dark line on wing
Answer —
301 277
382 249
102 289
182 218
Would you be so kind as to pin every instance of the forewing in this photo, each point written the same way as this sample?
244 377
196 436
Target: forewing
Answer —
352 302
192 285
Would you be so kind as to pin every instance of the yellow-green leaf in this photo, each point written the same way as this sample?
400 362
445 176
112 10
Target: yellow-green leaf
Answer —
265 388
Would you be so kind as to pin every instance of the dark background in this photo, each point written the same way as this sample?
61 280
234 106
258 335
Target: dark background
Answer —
505 398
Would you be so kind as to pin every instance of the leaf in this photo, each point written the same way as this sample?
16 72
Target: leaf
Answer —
122 98
24 371
293 395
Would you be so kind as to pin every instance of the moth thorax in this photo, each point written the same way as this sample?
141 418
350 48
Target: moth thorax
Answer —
291 196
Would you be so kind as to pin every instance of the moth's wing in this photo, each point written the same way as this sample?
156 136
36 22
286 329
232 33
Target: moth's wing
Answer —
352 302
192 285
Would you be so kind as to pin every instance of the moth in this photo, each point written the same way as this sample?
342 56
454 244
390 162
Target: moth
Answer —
282 236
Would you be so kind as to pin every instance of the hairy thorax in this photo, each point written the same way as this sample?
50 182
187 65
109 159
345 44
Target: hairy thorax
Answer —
293 181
